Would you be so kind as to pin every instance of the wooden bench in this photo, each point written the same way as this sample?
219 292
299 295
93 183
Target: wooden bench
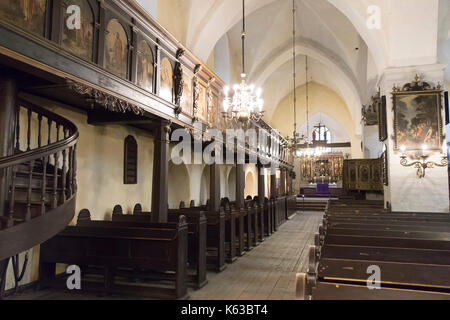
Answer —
196 238
160 247
215 235
412 250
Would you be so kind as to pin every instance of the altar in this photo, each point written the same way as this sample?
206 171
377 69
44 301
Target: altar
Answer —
323 189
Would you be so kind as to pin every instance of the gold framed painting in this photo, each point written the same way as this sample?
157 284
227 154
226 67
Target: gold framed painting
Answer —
417 119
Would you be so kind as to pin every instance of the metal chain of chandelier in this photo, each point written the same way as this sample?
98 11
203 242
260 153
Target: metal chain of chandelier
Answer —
245 103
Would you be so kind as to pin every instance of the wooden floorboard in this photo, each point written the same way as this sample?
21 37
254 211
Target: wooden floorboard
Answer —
268 271
265 273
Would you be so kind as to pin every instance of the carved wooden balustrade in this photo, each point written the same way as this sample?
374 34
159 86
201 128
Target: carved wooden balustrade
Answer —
42 179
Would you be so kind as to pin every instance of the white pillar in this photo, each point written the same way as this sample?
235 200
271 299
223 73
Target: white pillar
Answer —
406 192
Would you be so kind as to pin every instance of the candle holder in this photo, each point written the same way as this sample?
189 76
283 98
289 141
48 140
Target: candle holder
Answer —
422 164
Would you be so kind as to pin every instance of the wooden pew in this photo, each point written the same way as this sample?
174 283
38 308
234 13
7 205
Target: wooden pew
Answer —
160 247
412 250
196 222
267 216
231 219
215 234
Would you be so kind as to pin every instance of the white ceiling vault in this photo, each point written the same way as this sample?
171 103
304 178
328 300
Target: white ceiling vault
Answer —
345 55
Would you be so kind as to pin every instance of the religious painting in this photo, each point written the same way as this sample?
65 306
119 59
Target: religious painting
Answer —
213 112
202 112
187 98
79 41
27 14
382 120
145 66
166 88
116 49
417 120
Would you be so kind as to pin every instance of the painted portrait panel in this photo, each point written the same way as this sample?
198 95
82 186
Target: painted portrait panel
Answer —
417 120
187 98
26 14
214 109
145 66
79 41
202 103
116 49
166 89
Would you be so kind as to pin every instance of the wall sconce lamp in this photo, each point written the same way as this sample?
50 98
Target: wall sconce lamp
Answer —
422 165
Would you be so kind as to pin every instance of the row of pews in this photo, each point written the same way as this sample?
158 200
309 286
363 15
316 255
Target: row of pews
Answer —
357 239
134 255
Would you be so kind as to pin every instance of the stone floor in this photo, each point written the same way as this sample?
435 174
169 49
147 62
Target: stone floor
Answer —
265 273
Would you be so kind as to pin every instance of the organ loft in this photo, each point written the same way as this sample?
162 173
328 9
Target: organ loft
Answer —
224 150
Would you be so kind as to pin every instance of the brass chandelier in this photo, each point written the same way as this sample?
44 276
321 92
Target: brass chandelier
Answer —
296 139
246 103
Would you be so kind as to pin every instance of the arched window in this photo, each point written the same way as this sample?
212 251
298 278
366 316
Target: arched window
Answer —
321 134
130 161
145 66
79 41
116 49
29 15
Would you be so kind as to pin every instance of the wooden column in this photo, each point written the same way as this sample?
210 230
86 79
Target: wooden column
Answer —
273 185
283 182
261 189
8 113
240 185
240 203
160 186
215 210
273 196
214 188
134 55
261 196
101 35
55 34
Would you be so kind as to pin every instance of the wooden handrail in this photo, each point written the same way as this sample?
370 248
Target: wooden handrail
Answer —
40 152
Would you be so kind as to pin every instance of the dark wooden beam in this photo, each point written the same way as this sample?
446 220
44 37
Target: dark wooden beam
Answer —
160 186
261 189
100 117
326 145
273 184
240 185
214 188
283 181
8 115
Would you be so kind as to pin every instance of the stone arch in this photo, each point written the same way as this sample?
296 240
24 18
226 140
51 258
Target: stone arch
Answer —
232 184
251 189
204 185
179 182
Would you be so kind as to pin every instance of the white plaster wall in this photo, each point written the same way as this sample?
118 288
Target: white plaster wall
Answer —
251 180
372 145
151 6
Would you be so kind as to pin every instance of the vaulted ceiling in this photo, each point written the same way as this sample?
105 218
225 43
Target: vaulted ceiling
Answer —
345 55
